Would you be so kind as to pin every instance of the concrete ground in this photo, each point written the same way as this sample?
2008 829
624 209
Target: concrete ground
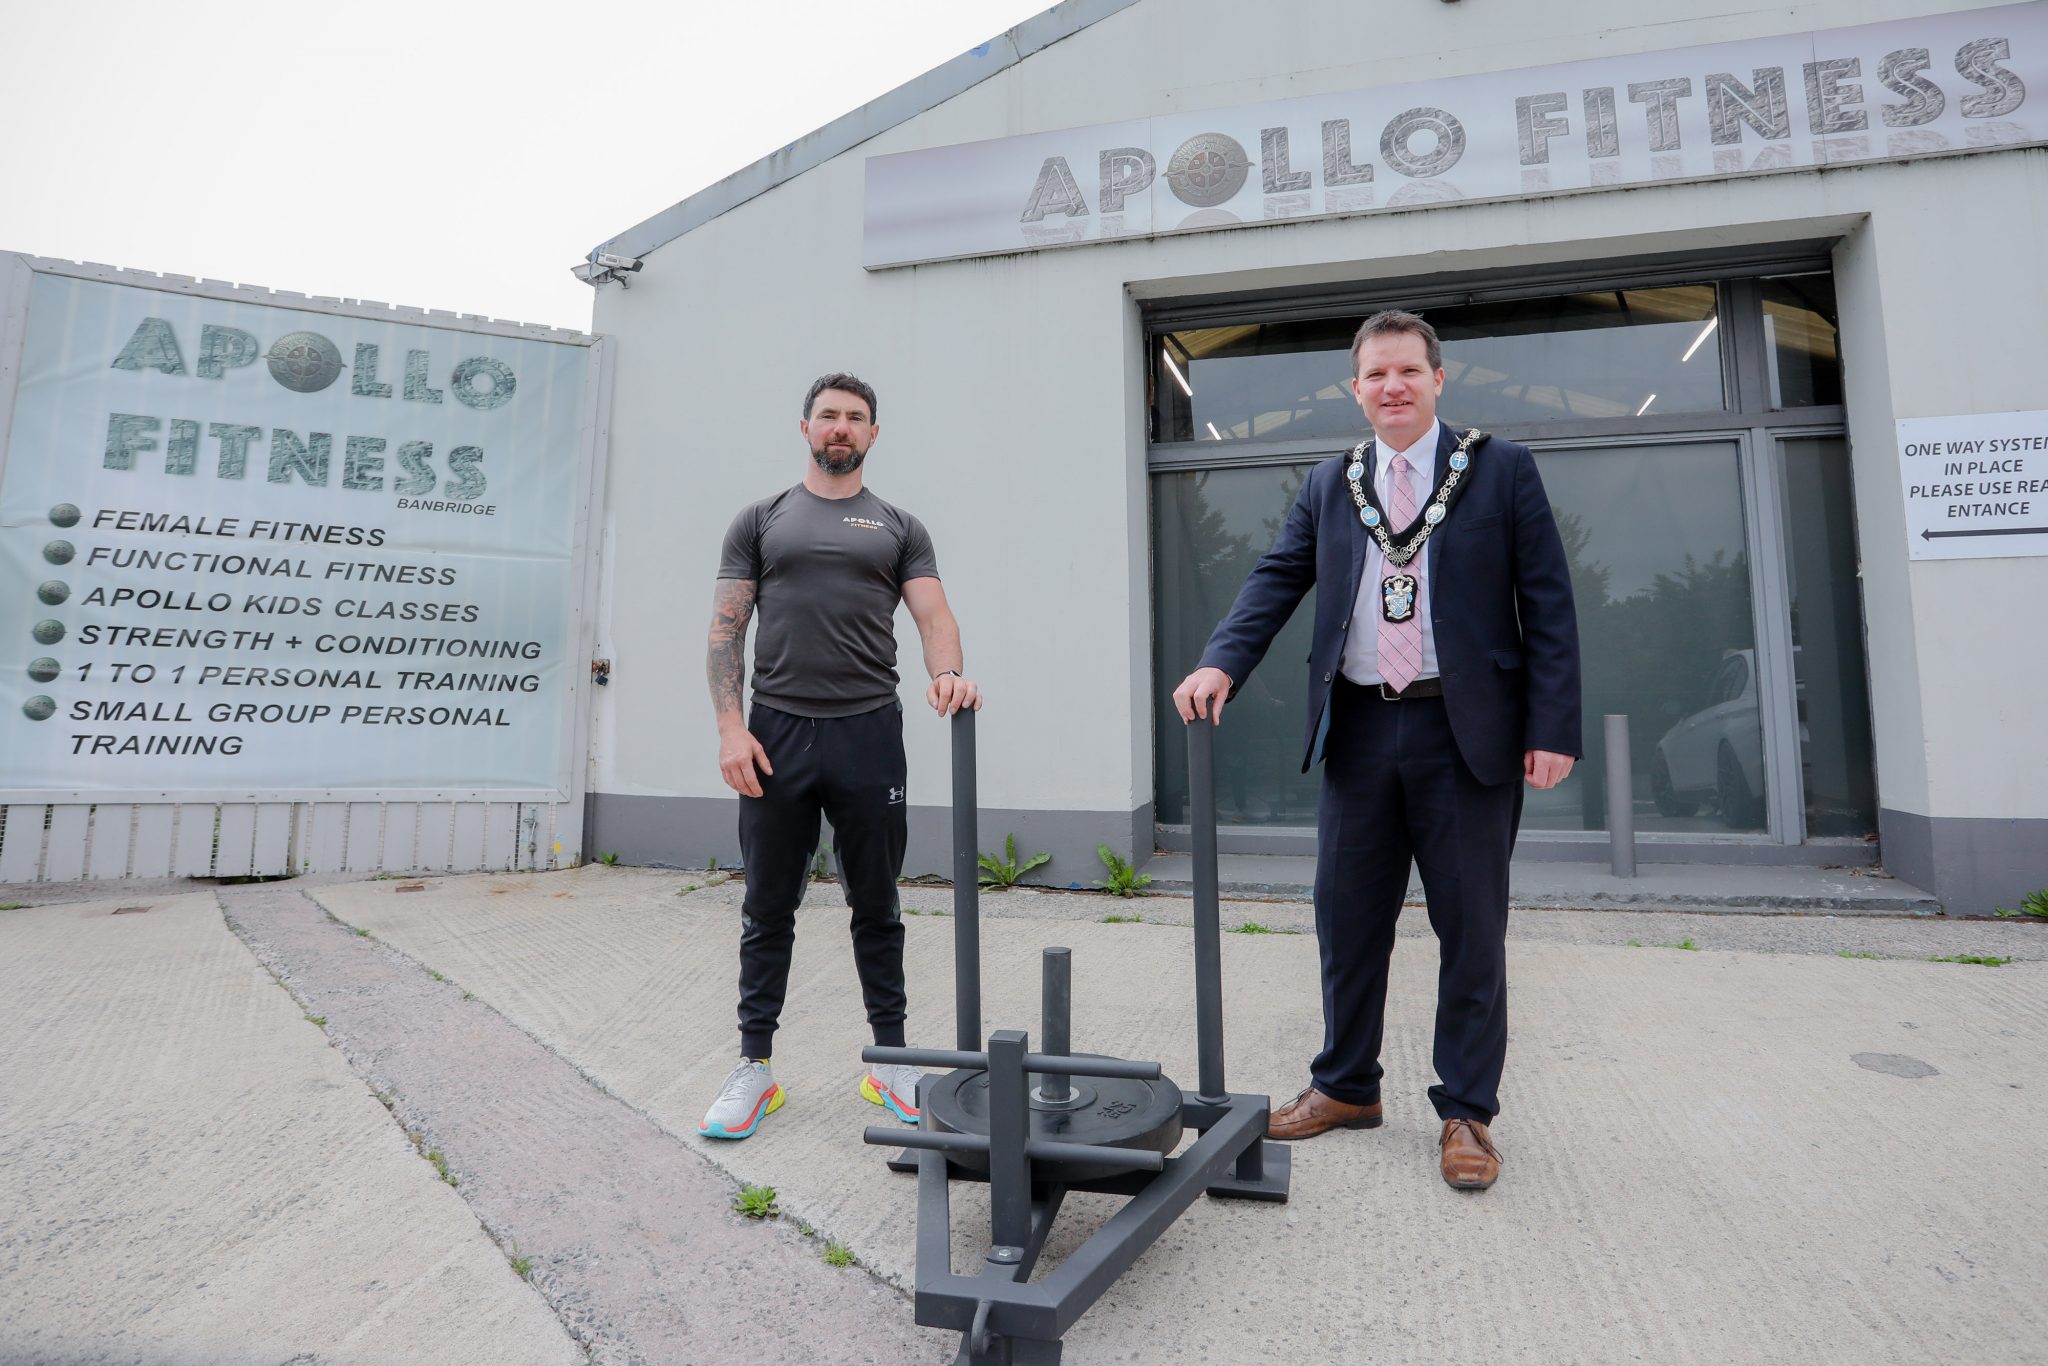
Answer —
1755 1148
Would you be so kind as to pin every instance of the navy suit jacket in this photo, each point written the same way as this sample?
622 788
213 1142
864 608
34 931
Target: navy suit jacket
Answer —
1506 633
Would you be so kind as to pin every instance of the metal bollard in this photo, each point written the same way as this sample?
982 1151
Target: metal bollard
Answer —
1621 798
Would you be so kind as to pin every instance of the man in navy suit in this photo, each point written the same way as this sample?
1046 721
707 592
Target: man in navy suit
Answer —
1445 674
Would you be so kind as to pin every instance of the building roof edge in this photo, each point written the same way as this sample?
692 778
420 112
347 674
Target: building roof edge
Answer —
871 120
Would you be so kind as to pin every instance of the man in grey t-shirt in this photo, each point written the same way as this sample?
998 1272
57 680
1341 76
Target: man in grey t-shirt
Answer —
826 563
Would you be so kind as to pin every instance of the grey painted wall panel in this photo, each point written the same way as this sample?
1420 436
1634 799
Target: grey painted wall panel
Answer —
686 832
1973 866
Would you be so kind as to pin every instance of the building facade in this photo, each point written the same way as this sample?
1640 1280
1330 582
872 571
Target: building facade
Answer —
1751 282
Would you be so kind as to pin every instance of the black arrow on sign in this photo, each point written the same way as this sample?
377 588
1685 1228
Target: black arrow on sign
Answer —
1989 531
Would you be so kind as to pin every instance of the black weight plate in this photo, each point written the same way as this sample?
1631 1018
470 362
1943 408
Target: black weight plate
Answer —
1143 1115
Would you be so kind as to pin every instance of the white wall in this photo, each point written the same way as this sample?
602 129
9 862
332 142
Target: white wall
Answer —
1011 388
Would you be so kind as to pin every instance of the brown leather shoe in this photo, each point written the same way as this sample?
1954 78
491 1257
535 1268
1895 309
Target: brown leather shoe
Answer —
1470 1161
1312 1113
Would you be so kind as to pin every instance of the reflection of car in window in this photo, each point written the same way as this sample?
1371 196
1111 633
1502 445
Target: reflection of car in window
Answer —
1718 751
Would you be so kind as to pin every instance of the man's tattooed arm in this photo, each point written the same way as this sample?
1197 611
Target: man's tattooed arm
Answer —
726 661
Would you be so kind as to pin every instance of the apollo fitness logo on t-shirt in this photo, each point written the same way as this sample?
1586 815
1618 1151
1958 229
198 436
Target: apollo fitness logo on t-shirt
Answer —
868 523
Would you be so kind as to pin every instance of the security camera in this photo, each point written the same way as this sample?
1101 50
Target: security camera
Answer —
605 268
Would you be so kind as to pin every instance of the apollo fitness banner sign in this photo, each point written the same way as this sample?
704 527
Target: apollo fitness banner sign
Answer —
246 547
1944 84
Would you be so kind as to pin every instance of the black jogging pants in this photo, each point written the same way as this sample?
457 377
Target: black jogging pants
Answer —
850 770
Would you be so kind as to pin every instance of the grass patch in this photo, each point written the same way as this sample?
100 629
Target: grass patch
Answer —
1980 960
756 1202
838 1254
1123 920
1855 953
1254 927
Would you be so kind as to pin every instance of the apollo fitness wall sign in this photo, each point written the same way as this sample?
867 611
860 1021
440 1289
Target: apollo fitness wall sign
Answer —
246 547
1939 85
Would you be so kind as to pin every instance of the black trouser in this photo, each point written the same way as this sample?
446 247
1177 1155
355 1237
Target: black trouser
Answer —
1395 789
852 769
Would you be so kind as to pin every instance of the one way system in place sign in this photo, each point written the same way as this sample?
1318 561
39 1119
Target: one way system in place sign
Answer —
1976 485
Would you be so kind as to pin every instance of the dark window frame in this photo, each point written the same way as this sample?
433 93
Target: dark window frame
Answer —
1749 417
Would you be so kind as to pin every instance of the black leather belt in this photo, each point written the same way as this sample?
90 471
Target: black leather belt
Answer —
1421 687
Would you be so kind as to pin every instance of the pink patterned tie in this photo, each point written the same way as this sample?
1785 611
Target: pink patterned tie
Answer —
1401 641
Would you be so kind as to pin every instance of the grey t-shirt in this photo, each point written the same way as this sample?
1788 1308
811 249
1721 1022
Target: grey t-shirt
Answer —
828 573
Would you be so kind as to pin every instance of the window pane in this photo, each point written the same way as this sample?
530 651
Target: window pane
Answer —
1618 353
1610 354
1800 339
1827 638
1209 529
1660 572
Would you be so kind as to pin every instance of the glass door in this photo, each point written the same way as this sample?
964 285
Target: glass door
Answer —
1656 536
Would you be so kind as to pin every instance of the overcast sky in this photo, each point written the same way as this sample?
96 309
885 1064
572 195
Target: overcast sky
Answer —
443 155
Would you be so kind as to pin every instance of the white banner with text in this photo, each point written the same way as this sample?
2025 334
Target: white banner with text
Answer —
1947 83
249 547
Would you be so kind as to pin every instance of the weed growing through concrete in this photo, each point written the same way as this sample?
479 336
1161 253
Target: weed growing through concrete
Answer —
522 1267
361 933
1852 953
686 889
1123 880
608 860
1635 943
757 1202
1123 920
838 1254
440 1165
1004 872
320 1020
2035 905
469 996
1685 944
1975 959
435 975
1254 927
13 905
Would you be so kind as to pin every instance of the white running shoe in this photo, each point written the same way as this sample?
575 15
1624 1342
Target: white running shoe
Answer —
893 1086
749 1095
